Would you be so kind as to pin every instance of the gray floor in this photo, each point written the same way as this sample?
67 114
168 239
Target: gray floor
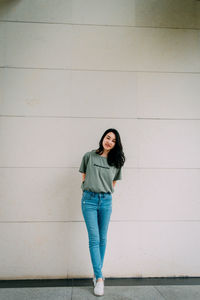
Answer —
156 292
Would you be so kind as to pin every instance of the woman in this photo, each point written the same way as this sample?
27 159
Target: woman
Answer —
101 169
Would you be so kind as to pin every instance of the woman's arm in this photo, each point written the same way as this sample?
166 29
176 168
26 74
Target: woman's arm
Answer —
114 182
83 176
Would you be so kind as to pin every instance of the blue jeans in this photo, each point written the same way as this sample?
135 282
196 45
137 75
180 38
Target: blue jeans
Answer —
97 209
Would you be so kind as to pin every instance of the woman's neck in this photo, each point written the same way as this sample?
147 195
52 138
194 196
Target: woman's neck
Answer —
105 153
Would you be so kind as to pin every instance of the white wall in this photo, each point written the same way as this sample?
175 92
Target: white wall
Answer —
70 70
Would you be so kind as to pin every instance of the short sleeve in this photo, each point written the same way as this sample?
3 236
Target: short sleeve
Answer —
118 175
84 162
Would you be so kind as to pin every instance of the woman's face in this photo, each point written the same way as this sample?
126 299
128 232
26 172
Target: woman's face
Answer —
109 141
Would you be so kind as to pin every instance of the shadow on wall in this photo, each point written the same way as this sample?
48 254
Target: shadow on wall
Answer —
147 13
166 13
6 5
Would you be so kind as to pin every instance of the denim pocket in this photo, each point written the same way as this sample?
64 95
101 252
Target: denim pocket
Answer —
107 201
86 196
85 202
108 197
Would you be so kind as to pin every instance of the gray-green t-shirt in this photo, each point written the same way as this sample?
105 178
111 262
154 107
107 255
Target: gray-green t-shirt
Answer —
99 174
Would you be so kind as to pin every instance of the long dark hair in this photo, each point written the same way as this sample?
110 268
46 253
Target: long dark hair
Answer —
115 155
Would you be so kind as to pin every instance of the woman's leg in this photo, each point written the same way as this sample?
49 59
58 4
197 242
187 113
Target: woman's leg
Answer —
103 223
90 214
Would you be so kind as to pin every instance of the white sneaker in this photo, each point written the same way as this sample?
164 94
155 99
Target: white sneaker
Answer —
99 288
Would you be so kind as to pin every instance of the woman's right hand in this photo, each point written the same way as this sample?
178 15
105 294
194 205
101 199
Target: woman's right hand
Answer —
83 176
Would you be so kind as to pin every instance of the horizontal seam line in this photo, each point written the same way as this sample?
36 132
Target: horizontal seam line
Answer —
112 221
100 70
54 167
100 25
91 117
